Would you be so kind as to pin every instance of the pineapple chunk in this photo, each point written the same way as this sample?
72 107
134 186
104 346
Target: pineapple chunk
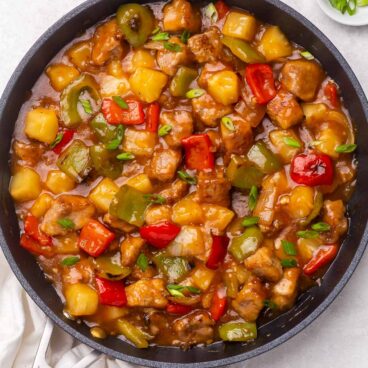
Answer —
240 25
142 59
157 213
301 202
81 300
61 75
202 277
67 244
186 212
80 54
115 69
148 84
112 86
141 182
224 87
25 185
274 44
41 205
42 125
217 217
278 138
58 182
189 242
103 193
139 142
307 247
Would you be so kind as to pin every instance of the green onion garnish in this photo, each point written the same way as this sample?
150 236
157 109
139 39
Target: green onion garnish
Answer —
174 47
66 223
87 107
164 130
289 248
292 142
187 178
115 143
155 198
125 156
321 227
307 55
142 262
195 93
57 140
228 123
185 36
287 263
250 221
307 234
70 261
253 197
161 36
120 102
346 148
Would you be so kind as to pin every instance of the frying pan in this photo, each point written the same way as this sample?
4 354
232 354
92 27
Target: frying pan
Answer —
309 305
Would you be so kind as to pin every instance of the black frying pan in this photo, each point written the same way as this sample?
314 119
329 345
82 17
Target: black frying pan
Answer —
309 305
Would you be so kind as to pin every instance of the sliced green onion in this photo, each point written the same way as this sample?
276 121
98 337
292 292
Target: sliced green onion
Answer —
120 102
321 227
125 156
178 290
156 30
87 107
161 36
211 12
307 234
57 140
187 178
142 262
250 221
289 248
228 123
362 3
115 143
174 47
66 223
292 142
155 198
185 36
344 6
287 263
346 148
270 304
164 130
70 261
307 55
195 93
253 197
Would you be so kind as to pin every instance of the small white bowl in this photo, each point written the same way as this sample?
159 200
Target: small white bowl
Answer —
360 18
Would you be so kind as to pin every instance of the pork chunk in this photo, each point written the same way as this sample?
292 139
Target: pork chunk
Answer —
264 265
29 153
149 293
250 300
177 190
73 207
334 215
213 187
179 15
169 61
285 291
206 46
208 111
285 110
164 164
239 140
181 123
130 249
302 78
195 328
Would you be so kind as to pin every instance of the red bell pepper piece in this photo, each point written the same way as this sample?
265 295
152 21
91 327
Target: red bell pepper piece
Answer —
111 292
222 9
161 234
68 135
32 229
219 304
153 115
324 255
114 114
218 251
198 152
95 238
35 247
312 169
332 95
174 308
260 80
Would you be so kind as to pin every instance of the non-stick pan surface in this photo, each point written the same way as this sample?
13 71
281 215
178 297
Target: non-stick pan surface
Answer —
309 305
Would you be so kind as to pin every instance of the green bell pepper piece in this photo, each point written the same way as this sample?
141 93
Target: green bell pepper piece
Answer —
173 268
183 78
75 161
136 22
105 162
109 267
70 105
129 204
238 331
246 244
110 135
132 333
243 50
243 174
263 158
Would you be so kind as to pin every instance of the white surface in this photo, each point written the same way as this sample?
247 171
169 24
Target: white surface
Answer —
338 338
358 19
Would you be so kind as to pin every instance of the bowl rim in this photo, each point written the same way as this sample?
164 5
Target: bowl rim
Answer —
155 363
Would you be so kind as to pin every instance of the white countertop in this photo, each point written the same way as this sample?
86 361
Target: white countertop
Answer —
339 337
